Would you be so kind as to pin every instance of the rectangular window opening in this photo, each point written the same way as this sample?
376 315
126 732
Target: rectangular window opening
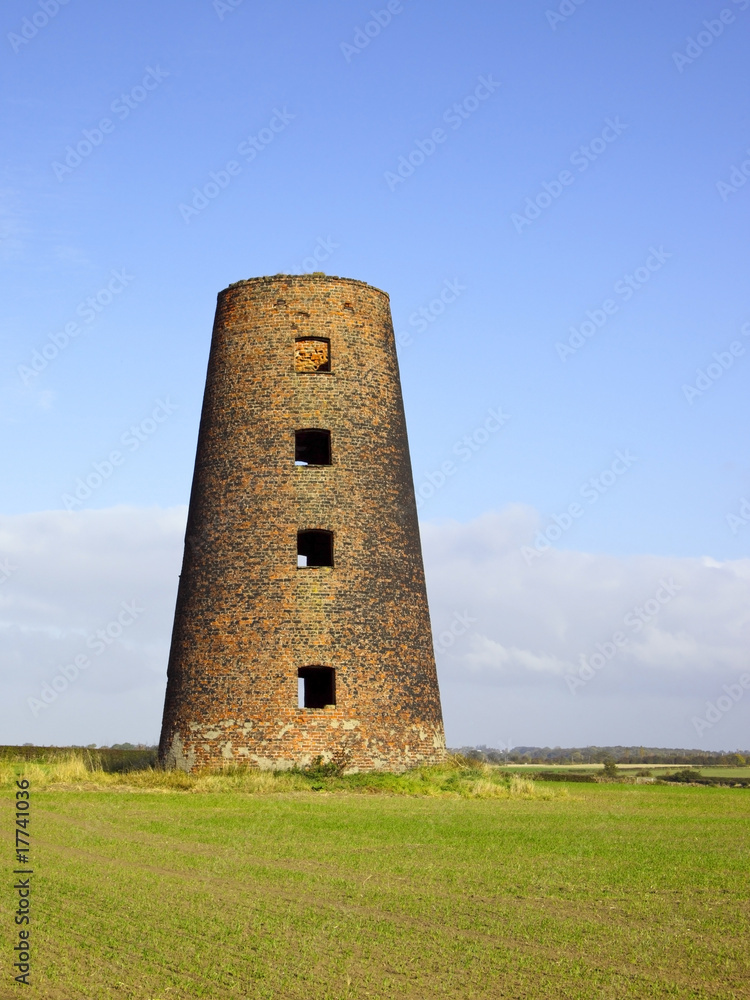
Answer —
312 447
312 355
315 548
316 687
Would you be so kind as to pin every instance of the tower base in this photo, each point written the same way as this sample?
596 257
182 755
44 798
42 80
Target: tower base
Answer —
330 735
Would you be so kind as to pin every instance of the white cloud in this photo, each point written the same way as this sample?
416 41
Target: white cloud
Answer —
538 624
69 574
504 676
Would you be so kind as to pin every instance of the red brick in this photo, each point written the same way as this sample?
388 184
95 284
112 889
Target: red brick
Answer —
247 618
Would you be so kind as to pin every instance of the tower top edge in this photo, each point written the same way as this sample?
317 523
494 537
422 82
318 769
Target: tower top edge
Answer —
316 277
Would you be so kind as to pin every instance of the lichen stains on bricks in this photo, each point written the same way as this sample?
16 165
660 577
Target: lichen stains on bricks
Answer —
301 628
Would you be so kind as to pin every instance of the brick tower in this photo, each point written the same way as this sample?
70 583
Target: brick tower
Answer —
301 628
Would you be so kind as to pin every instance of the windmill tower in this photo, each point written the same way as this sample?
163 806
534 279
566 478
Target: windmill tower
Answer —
301 627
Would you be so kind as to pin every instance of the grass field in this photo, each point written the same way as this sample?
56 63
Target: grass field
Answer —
718 771
656 769
596 891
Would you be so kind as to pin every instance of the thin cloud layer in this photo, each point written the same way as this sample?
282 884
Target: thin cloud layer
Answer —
577 647
571 648
98 585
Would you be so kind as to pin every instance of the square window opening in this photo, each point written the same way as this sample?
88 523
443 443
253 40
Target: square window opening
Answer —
316 687
312 355
312 447
315 548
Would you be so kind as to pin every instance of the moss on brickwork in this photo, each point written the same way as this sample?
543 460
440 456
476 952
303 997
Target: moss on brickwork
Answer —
247 617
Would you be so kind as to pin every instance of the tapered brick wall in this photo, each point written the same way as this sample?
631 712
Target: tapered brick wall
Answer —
247 617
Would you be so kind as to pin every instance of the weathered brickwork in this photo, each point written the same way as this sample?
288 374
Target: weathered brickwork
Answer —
247 618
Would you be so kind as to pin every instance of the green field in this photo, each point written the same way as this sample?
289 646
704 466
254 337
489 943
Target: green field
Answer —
656 769
600 891
718 771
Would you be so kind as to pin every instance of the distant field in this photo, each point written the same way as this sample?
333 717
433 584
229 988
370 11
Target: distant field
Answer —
602 891
592 767
710 769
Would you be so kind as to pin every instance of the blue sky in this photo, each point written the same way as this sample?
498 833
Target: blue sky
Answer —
202 78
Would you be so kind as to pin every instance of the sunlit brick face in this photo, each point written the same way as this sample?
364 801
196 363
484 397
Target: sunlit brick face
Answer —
301 628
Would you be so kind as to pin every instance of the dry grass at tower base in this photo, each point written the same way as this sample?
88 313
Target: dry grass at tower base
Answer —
621 892
456 778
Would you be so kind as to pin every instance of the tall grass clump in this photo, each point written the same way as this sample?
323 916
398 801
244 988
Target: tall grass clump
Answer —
71 768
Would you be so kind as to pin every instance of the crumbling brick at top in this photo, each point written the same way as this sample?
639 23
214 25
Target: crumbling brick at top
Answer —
290 353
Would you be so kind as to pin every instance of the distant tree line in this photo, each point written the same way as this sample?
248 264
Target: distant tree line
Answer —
600 755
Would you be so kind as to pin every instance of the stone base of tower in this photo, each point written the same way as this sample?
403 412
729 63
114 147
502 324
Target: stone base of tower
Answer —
330 734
